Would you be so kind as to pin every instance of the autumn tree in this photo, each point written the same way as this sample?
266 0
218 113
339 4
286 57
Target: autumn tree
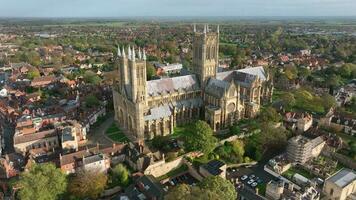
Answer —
87 184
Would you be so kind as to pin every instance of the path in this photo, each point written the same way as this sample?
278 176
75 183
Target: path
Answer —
97 134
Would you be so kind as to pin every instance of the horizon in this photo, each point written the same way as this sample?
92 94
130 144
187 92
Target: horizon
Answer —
182 8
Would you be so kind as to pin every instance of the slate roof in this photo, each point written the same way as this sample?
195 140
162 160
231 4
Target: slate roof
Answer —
213 167
216 87
244 76
343 178
257 71
159 112
166 109
157 87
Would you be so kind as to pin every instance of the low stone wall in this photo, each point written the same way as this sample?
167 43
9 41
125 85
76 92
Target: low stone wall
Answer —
233 138
192 171
348 162
242 164
162 167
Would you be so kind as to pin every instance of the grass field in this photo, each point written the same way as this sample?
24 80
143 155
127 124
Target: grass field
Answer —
114 133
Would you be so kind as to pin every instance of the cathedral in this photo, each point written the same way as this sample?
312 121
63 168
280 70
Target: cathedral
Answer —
146 109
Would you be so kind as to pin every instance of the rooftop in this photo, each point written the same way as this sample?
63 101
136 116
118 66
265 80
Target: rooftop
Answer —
343 177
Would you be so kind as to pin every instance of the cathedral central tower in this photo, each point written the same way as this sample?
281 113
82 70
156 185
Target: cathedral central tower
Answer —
205 54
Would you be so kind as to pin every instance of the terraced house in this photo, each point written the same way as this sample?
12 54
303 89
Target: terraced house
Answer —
150 108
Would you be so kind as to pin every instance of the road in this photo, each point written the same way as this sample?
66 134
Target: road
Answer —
9 132
97 134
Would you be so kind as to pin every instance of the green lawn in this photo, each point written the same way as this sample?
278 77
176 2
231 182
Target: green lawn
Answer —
293 170
262 189
114 133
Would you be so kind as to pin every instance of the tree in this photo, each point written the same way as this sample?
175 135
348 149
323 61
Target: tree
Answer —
87 184
202 138
91 77
180 192
291 72
288 100
210 188
303 73
42 182
121 174
217 185
270 114
238 147
33 73
328 101
160 142
91 101
151 71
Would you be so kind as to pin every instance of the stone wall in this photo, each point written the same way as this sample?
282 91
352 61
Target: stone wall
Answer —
162 167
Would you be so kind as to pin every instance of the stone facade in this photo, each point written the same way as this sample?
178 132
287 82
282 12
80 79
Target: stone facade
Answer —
146 109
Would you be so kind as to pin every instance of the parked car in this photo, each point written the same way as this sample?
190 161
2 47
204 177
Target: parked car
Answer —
254 184
244 177
250 181
252 176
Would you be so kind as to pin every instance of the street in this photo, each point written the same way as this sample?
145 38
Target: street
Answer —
8 137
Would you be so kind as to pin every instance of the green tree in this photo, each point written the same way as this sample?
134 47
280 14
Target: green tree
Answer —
91 101
42 182
238 147
201 139
121 174
87 184
303 73
151 71
270 114
328 101
180 192
217 185
91 77
291 72
211 188
33 73
288 100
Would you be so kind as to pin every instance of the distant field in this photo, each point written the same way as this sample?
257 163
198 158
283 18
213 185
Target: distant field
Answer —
112 24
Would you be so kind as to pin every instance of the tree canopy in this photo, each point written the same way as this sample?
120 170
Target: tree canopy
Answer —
201 139
87 184
120 174
42 182
211 188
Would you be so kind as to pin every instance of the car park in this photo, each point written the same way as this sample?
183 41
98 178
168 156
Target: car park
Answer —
244 177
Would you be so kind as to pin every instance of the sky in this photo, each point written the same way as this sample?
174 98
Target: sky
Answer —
132 8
